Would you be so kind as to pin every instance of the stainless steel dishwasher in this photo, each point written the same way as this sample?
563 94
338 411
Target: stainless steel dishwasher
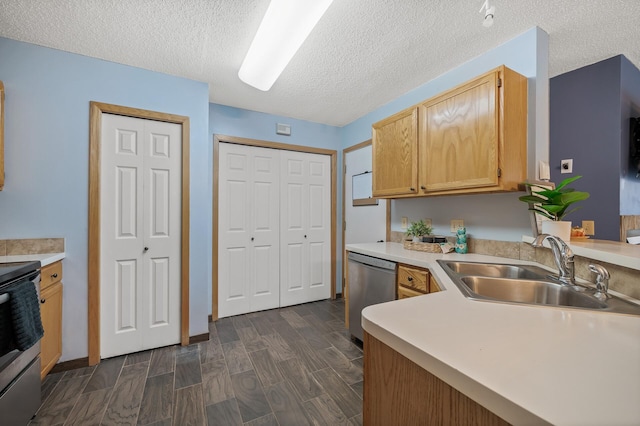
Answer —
371 281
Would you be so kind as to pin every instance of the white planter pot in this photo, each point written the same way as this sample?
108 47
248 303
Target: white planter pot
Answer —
561 229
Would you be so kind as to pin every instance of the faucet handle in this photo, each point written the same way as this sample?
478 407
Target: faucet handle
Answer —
602 280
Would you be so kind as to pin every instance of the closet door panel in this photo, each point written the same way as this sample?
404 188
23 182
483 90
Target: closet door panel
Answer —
305 227
248 241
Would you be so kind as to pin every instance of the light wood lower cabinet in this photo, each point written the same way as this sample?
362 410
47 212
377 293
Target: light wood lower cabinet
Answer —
399 392
413 281
433 285
51 313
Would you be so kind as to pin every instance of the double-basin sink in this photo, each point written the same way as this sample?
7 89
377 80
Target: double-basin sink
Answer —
527 284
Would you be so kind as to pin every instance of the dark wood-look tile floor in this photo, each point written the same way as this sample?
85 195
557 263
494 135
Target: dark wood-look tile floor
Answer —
289 366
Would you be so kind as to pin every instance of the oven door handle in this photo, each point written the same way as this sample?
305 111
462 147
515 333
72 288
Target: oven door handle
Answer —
4 298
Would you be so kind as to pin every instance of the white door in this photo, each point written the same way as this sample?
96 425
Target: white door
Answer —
248 229
364 224
305 223
140 200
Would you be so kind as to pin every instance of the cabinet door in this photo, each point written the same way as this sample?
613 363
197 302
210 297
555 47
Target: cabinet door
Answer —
395 154
459 139
433 285
51 313
404 293
415 279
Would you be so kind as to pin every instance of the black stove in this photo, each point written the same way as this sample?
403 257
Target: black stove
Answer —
14 270
19 363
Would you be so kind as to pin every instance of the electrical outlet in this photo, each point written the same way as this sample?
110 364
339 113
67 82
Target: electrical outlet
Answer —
566 166
589 227
455 224
404 222
428 222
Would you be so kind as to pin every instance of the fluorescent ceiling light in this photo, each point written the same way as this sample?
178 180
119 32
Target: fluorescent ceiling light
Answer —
284 28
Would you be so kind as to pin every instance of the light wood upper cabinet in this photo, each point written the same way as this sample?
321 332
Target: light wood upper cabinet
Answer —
472 138
1 136
395 154
459 141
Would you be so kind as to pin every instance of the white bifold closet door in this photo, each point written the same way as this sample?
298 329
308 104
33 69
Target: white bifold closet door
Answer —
248 229
274 228
140 234
305 228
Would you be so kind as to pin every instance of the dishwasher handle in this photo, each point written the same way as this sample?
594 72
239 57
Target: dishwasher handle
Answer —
372 261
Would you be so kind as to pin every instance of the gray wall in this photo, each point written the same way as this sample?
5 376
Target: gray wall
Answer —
585 125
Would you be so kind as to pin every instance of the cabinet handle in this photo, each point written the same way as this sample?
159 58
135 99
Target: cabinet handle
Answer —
305 236
409 279
146 249
424 188
54 275
412 189
251 238
43 300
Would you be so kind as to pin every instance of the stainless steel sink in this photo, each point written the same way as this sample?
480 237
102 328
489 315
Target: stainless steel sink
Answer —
497 270
527 284
530 291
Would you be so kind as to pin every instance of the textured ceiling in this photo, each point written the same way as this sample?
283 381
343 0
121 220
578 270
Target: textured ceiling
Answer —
361 55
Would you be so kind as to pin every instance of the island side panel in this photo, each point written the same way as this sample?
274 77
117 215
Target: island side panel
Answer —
399 392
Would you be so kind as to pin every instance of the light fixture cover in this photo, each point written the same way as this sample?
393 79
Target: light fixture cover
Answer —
284 28
489 11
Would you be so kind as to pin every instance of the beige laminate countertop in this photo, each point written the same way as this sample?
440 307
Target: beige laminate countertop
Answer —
45 258
527 364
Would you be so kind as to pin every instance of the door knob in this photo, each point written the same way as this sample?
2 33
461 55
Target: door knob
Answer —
43 300
252 238
305 236
55 275
146 249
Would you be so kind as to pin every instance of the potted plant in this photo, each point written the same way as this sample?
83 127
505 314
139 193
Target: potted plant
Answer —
417 230
553 204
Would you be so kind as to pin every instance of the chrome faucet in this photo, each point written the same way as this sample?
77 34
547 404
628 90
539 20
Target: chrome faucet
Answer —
602 281
563 255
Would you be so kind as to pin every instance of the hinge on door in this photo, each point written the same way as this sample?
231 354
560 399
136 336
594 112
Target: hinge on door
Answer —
345 169
344 225
499 172
499 82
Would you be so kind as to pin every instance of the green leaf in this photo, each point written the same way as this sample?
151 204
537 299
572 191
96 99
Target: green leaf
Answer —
567 181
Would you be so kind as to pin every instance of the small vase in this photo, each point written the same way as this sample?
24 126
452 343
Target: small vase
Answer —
558 228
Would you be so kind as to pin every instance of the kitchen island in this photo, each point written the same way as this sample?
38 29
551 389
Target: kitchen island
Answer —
525 364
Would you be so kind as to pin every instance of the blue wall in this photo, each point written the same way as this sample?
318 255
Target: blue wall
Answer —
47 161
590 109
483 214
230 121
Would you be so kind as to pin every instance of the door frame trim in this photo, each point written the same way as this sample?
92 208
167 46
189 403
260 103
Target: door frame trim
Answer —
217 139
345 287
96 109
